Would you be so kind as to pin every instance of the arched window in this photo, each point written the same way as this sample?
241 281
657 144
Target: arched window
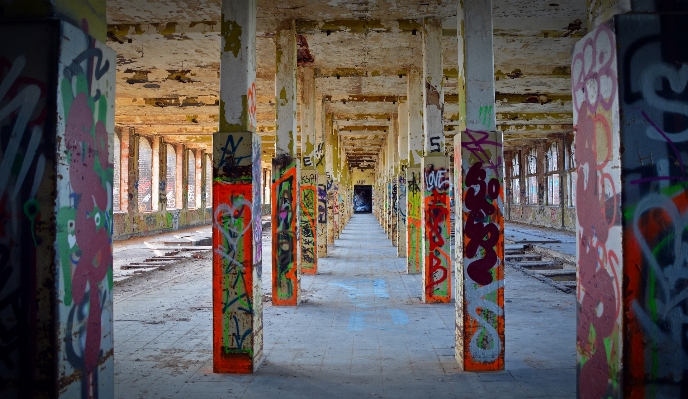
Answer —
145 167
171 177
553 174
516 178
531 179
117 148
191 186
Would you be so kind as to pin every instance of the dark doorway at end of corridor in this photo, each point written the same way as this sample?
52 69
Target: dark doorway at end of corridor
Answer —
363 199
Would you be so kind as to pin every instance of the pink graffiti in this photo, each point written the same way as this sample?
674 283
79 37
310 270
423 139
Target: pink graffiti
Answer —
593 72
92 201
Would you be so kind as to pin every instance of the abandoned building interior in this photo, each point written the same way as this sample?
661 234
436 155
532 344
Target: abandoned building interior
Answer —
445 119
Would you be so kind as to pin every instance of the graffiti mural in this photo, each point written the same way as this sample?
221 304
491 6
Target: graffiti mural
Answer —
84 211
402 209
437 262
26 200
594 77
309 234
414 222
482 316
237 266
653 115
285 241
322 215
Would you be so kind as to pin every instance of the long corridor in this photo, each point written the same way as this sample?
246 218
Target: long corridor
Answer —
360 330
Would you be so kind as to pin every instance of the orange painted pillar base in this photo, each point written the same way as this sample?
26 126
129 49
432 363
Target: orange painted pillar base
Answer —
480 260
286 273
237 244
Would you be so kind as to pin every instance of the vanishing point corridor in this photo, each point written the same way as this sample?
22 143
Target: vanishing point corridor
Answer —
360 331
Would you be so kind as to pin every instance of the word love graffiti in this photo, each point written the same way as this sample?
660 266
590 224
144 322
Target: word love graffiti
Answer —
480 234
437 179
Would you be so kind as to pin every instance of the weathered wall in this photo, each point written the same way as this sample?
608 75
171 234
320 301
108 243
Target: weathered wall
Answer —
543 215
128 224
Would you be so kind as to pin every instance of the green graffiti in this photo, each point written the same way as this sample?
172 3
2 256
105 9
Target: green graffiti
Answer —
66 232
31 209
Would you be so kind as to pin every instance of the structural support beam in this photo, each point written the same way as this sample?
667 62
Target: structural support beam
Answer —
478 160
309 176
323 120
56 289
402 201
329 168
286 273
631 205
413 173
237 265
435 184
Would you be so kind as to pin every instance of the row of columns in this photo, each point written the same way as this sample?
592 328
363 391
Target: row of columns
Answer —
58 249
415 183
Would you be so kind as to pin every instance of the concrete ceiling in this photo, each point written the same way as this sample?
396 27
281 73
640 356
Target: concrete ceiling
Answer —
169 51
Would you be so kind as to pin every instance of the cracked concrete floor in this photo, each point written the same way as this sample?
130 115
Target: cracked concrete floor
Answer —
360 331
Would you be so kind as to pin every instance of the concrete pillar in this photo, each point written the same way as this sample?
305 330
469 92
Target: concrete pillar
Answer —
237 266
402 201
162 176
179 178
309 175
413 173
631 201
286 272
329 167
204 177
56 307
480 230
435 165
322 177
336 175
393 172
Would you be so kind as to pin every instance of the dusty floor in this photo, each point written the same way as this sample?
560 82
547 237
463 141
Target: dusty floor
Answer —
360 331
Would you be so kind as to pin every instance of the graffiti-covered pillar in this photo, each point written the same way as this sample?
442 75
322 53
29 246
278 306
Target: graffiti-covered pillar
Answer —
57 109
413 173
286 272
329 172
435 183
237 264
393 172
309 175
632 205
478 160
323 120
402 201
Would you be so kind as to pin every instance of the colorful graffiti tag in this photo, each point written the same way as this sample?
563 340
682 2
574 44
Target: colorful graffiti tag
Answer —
482 315
437 263
285 273
309 247
597 205
414 222
237 266
84 203
653 115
